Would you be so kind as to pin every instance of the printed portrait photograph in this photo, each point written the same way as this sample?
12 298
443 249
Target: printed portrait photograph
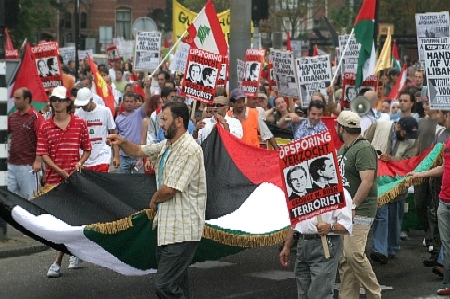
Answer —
297 180
322 172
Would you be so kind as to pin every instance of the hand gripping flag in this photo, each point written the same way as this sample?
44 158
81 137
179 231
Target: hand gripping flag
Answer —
205 32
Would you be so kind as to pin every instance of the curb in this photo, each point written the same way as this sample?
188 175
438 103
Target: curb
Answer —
17 251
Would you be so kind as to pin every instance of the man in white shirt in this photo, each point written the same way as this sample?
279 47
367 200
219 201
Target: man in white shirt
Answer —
100 123
219 109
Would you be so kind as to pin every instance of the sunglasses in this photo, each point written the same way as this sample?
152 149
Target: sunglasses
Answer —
59 100
216 105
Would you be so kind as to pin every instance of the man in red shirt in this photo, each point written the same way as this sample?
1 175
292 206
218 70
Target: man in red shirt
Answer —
23 163
60 140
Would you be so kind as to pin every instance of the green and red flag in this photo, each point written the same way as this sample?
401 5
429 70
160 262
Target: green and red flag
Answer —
364 28
395 57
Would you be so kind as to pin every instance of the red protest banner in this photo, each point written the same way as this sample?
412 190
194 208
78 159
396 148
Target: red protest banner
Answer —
349 91
45 56
113 53
254 61
201 73
311 177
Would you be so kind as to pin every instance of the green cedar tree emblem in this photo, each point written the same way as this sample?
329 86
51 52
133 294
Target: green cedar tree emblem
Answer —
203 33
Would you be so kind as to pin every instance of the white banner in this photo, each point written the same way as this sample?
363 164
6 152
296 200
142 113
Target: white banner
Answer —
350 60
284 73
432 28
314 74
67 54
437 66
82 54
147 52
180 59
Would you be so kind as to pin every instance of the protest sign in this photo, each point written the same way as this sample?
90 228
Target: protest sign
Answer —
113 53
147 52
223 73
271 76
284 73
67 54
350 92
350 60
240 72
437 66
125 47
310 173
83 54
201 74
45 56
314 74
432 28
254 59
180 59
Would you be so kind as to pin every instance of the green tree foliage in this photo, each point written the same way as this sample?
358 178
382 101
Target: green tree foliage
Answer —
34 15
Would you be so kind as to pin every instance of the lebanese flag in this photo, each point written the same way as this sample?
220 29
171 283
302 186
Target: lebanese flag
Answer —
206 33
11 53
315 51
364 29
288 42
27 76
399 85
103 90
395 57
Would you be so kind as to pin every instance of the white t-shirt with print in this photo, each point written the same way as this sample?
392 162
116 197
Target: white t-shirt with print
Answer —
99 121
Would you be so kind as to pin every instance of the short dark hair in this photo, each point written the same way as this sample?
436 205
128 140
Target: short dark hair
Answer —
253 66
166 75
316 104
316 165
119 70
411 96
179 109
295 168
170 82
207 71
129 94
50 61
26 93
166 91
363 90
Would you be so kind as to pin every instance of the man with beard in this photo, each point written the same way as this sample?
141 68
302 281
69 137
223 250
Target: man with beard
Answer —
400 142
180 199
358 164
218 109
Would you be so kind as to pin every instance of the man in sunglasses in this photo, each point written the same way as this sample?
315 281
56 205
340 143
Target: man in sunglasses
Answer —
219 109
62 131
302 127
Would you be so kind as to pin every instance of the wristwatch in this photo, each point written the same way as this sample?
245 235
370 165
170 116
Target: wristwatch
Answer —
353 205
333 228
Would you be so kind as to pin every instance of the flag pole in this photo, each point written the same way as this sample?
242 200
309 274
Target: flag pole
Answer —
174 45
342 55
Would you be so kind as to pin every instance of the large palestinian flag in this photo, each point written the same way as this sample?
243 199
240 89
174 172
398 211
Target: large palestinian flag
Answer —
103 218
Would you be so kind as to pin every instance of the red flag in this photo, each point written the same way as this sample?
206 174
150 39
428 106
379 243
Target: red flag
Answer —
103 90
399 85
166 43
138 90
288 42
27 76
11 53
315 51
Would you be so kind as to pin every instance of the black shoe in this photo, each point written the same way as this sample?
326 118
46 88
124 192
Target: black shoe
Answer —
431 262
439 270
391 256
379 258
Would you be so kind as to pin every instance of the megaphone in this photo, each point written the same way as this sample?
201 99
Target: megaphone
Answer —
360 105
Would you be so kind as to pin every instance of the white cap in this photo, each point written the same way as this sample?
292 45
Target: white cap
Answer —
59 92
84 95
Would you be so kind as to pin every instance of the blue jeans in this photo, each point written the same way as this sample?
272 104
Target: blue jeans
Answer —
443 213
440 258
315 275
127 165
22 181
386 228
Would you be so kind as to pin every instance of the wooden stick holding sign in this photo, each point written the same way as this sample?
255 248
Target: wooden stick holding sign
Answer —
324 239
291 105
193 109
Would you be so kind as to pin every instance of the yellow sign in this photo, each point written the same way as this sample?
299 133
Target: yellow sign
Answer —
383 28
182 18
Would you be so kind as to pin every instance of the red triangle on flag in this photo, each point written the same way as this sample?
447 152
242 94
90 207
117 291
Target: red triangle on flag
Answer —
315 51
288 42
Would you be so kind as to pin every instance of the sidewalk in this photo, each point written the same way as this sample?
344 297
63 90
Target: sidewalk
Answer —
19 245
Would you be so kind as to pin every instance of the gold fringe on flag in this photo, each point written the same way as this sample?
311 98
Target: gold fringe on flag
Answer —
249 241
392 194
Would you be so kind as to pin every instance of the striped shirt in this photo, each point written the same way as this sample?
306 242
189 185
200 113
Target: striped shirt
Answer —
62 146
24 129
181 218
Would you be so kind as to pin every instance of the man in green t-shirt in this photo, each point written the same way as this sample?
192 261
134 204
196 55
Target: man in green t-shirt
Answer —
358 163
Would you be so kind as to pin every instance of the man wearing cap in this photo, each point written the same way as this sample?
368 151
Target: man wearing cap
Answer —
100 122
250 119
218 109
400 142
358 164
62 131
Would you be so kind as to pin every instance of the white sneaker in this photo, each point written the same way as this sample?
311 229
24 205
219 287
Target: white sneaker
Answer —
54 271
424 243
403 235
74 262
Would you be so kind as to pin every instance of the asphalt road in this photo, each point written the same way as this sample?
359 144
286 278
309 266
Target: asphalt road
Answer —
251 274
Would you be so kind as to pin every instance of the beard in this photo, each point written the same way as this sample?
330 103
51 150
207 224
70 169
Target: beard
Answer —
340 137
399 136
171 131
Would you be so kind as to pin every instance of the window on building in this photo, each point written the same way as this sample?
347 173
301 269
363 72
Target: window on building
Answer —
67 20
83 19
123 23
